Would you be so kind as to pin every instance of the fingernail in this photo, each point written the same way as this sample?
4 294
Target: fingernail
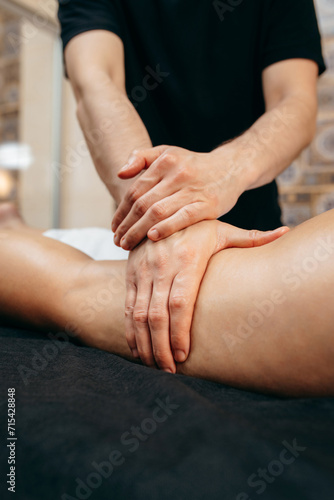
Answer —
168 370
154 234
180 356
124 244
116 239
135 353
124 168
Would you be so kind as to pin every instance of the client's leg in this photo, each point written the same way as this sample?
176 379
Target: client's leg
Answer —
10 218
263 319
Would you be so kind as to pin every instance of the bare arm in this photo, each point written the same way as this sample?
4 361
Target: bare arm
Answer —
111 125
287 127
182 187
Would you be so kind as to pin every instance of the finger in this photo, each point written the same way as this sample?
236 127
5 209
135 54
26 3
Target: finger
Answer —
139 160
147 181
182 300
234 237
130 301
134 229
141 186
150 208
186 216
140 320
269 236
158 318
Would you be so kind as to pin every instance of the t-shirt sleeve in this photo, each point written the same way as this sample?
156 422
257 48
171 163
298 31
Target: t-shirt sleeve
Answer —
78 16
290 30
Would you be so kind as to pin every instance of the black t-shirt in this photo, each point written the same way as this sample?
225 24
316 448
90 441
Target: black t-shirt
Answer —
193 69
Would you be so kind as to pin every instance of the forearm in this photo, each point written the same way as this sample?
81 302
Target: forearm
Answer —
273 142
112 128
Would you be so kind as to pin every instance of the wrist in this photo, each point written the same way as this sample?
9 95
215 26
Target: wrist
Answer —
235 167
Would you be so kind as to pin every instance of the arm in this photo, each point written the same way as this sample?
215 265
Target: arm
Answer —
209 185
111 125
287 127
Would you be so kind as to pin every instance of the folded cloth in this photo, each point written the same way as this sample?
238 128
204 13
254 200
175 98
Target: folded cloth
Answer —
96 242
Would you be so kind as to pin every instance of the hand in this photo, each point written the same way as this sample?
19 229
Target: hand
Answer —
162 284
178 189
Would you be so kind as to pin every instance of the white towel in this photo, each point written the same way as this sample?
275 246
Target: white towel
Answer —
96 242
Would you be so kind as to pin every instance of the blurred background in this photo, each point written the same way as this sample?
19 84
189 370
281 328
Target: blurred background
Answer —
44 164
60 187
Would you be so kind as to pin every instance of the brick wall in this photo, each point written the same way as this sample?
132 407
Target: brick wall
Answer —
307 186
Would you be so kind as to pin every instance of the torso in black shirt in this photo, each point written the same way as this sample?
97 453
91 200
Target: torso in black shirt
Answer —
194 68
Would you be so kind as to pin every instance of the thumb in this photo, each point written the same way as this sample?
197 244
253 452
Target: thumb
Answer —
139 160
230 236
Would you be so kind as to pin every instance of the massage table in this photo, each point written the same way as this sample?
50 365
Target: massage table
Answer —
90 424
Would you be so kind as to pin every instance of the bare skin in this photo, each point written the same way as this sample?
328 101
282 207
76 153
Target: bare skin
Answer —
263 318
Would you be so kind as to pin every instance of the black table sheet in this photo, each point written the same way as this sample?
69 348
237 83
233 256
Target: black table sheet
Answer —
93 425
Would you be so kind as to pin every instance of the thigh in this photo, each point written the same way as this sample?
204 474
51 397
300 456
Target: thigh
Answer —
264 316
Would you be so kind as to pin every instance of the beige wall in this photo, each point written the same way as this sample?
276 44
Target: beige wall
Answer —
36 127
47 8
84 199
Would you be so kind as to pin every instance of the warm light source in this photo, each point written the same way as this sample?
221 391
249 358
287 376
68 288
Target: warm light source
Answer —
13 158
7 185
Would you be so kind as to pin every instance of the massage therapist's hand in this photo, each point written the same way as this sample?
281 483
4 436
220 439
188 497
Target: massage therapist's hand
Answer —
162 283
178 189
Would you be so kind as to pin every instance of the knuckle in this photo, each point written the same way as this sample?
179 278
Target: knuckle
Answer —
162 276
121 229
169 158
192 255
188 212
132 195
161 262
187 254
129 312
183 173
140 316
140 207
178 302
253 235
157 316
130 279
158 210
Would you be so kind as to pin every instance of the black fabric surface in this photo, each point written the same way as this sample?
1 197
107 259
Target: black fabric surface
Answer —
75 410
194 69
